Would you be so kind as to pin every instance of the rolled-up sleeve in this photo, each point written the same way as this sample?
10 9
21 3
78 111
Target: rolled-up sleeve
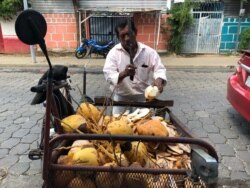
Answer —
159 69
110 71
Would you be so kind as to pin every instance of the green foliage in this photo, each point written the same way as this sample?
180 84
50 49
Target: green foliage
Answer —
244 40
180 19
9 8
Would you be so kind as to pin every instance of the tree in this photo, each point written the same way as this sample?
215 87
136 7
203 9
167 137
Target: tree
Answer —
9 8
180 19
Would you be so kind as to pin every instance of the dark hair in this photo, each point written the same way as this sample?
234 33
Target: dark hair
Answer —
123 23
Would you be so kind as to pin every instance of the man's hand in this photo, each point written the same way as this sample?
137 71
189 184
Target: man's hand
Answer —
159 83
128 71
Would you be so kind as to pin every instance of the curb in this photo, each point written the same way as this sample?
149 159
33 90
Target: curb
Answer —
98 69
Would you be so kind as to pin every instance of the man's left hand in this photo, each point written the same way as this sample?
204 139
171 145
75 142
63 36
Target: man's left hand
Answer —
159 83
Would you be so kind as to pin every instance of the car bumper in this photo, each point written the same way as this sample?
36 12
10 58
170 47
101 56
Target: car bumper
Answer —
239 97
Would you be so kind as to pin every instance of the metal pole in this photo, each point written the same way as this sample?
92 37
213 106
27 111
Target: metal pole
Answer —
32 49
238 29
155 29
198 35
158 29
80 27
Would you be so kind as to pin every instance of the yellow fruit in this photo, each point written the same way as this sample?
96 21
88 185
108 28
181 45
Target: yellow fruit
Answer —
121 160
159 181
78 182
86 156
135 152
119 127
89 111
71 123
88 183
77 145
64 159
151 92
109 179
135 179
63 177
152 127
108 119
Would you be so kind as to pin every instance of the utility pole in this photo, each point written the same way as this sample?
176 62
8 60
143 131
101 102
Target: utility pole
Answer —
32 49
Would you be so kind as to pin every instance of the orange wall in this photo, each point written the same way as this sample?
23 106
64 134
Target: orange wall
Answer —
61 33
61 30
147 25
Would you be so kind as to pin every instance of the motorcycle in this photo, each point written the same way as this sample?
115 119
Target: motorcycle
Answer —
82 50
90 46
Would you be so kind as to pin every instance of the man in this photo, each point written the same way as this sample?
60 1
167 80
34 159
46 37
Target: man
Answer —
129 81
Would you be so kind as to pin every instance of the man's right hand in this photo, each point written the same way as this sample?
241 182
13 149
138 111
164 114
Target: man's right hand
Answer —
128 71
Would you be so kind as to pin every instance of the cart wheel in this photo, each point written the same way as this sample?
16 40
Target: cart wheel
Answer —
35 154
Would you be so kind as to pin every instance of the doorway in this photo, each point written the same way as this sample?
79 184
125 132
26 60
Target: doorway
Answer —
204 35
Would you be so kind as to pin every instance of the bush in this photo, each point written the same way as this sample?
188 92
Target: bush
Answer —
9 8
180 19
244 40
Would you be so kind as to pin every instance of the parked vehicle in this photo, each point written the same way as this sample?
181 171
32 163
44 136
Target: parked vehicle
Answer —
238 86
90 46
81 51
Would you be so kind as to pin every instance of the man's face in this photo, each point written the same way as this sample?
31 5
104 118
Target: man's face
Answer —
125 39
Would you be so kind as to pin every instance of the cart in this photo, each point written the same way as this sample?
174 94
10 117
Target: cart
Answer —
204 171
204 159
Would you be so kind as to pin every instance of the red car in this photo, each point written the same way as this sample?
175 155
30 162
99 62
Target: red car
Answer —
238 86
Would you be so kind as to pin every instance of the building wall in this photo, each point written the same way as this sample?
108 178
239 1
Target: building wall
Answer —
66 6
232 8
121 5
1 40
229 33
147 25
9 43
61 31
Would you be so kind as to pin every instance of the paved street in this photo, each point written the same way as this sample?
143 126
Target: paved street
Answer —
199 102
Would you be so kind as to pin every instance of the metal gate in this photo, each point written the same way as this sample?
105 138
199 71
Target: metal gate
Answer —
205 33
103 28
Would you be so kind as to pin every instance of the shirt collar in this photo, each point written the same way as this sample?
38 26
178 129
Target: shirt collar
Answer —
140 47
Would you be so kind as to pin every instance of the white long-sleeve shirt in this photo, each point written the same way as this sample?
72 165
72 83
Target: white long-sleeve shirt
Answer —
148 64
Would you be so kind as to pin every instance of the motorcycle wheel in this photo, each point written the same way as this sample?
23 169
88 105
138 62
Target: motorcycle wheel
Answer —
80 55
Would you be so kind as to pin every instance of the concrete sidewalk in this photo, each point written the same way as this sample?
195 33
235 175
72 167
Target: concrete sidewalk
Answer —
170 61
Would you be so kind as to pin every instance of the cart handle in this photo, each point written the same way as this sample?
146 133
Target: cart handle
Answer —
100 100
120 169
